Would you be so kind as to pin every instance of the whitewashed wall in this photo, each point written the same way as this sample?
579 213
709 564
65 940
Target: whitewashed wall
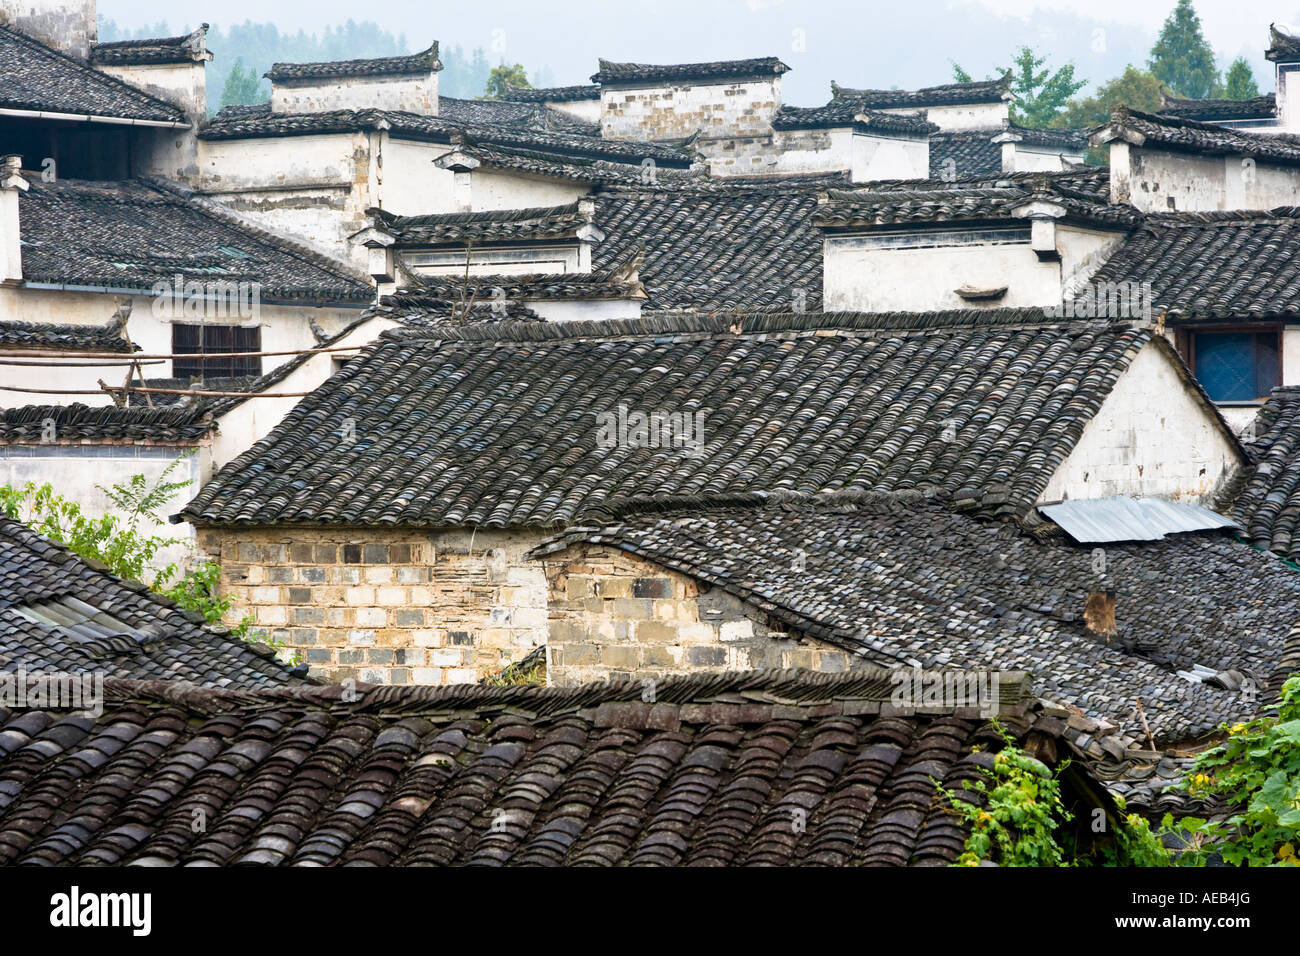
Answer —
1150 178
415 93
1153 436
666 112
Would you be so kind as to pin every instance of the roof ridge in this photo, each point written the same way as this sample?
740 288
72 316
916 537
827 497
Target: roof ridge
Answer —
797 688
751 322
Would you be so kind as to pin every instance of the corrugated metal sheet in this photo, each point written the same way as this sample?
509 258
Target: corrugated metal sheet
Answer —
1101 520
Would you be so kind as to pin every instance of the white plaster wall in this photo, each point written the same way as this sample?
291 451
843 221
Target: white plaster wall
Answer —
556 310
252 420
1153 436
412 185
171 153
857 276
1150 178
283 328
1039 161
314 188
676 111
66 25
587 111
554 259
917 280
414 93
76 471
501 189
972 116
881 157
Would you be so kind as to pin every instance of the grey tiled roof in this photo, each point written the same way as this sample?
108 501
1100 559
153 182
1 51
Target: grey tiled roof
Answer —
616 73
1215 266
1268 507
1257 107
1191 136
64 337
846 113
973 153
552 94
1282 46
26 424
898 580
496 225
130 234
423 62
143 635
524 115
801 402
437 294
1083 194
949 94
181 49
36 77
712 773
749 246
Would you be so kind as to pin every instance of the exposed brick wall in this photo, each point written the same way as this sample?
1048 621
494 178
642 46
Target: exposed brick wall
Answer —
675 112
616 616
395 607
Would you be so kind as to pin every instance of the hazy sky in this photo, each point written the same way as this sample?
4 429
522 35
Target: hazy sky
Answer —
869 43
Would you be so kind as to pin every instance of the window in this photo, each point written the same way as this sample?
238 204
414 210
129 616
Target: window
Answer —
197 340
1236 366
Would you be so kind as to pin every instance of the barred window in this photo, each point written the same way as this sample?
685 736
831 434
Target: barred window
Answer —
203 340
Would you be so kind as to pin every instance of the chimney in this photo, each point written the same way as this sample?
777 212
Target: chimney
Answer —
11 250
1099 613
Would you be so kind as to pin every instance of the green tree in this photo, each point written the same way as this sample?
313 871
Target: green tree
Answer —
1182 58
243 87
503 76
1134 88
1240 84
1040 94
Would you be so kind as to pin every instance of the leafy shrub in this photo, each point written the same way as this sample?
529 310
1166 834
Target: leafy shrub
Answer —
1257 768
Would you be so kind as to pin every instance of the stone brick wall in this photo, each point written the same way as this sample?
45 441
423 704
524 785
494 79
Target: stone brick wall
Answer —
743 108
616 616
388 607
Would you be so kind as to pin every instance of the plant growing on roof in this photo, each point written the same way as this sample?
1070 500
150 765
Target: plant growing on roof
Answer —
1256 769
1021 819
122 546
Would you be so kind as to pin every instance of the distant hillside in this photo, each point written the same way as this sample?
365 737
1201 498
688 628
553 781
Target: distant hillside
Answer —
258 45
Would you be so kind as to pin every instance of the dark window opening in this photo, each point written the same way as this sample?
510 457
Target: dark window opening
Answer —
1237 366
197 340
79 150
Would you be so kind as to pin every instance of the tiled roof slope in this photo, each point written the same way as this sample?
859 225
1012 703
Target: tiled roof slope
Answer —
712 773
1083 194
425 61
1282 46
64 337
846 113
148 637
949 94
738 247
182 49
552 134
1206 111
611 73
973 153
1191 136
494 425
36 77
496 225
524 115
27 424
1215 266
131 234
552 94
898 580
1268 508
